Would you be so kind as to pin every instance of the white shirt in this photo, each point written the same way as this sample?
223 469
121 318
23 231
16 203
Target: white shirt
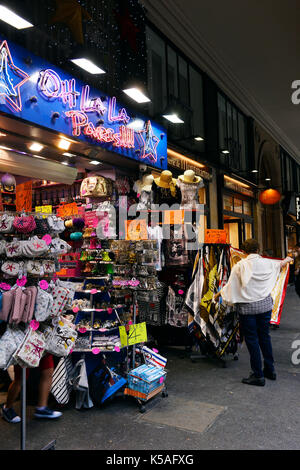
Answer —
251 279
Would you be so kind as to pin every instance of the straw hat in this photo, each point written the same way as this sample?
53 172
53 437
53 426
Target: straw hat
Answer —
165 179
189 177
146 184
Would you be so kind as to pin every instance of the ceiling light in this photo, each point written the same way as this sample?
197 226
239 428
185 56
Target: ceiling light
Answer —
65 163
199 139
173 118
95 162
137 95
254 171
268 179
64 144
67 154
36 147
87 65
226 152
2 134
4 148
12 19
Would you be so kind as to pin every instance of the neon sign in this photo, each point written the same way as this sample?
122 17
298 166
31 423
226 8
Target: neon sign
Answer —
10 92
80 110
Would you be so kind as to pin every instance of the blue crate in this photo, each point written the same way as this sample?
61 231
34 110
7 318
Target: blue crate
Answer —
145 379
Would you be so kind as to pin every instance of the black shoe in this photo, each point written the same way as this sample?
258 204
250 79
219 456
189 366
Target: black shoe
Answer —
252 380
270 375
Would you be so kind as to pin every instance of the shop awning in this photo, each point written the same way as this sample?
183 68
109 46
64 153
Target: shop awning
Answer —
17 164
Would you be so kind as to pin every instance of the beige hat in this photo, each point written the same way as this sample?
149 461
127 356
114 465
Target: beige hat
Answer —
189 177
165 179
147 182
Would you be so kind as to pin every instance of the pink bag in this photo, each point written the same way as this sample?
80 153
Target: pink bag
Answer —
31 293
24 224
18 305
7 303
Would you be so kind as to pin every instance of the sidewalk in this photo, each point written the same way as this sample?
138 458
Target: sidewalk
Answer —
207 408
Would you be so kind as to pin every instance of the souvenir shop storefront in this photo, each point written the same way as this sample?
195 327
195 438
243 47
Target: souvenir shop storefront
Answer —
238 211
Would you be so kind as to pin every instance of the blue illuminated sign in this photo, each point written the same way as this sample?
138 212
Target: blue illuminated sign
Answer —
36 92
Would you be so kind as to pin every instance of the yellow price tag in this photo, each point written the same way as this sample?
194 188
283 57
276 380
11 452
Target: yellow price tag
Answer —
44 209
136 334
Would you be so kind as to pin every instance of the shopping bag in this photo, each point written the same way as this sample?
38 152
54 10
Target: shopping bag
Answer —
61 386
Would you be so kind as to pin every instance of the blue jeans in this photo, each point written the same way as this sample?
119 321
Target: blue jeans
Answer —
257 337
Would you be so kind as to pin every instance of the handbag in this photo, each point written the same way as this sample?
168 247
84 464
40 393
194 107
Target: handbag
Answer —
12 268
96 186
7 303
49 266
44 301
59 247
71 287
42 226
6 223
60 338
24 224
34 268
9 343
34 247
13 249
2 247
30 352
56 224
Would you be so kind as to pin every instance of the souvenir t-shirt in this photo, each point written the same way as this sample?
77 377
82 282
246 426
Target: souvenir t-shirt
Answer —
189 193
156 233
175 248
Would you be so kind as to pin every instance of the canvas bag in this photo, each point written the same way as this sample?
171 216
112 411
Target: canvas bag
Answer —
44 301
12 268
95 186
60 338
6 223
60 299
13 249
9 343
56 224
24 224
34 247
30 352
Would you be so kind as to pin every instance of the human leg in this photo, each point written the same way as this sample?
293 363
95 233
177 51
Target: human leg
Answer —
264 338
249 329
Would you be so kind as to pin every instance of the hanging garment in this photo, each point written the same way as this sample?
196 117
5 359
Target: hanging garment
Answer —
176 315
278 292
156 233
61 387
79 381
214 323
175 248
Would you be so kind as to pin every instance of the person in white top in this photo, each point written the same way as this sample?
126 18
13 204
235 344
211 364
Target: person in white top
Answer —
249 289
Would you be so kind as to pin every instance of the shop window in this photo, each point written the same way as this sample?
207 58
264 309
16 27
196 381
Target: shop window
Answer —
238 205
248 231
227 203
202 196
247 208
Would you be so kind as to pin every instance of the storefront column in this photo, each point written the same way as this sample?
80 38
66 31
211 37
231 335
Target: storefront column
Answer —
213 201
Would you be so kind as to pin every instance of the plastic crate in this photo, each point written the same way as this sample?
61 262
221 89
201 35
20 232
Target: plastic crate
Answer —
145 379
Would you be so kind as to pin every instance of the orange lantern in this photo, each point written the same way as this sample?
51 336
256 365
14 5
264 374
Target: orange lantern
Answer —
270 196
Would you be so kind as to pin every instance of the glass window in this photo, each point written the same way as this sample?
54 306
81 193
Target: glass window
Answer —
196 92
172 75
247 208
238 205
248 231
183 81
156 72
227 203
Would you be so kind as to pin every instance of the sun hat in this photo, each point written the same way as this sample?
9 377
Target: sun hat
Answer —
189 177
147 182
165 179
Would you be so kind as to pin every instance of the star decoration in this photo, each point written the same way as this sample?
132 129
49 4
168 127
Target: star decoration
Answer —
10 91
149 142
71 13
128 29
